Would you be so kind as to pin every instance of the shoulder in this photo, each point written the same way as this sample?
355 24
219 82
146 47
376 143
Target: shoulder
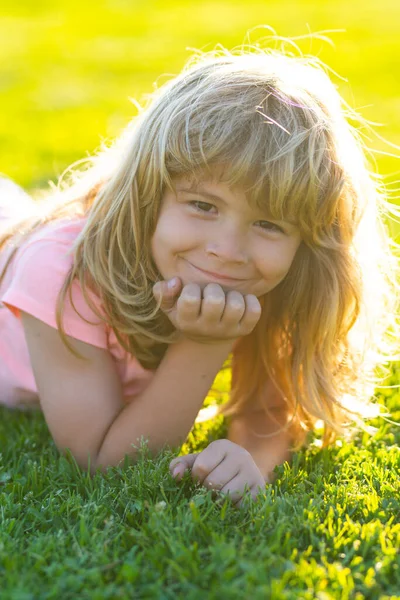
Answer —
57 233
37 274
42 259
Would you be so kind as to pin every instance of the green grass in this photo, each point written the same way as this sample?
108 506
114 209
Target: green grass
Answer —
329 527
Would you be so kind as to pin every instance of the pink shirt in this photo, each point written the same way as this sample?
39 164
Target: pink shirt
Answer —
32 282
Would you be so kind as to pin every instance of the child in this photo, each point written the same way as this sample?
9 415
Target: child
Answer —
241 183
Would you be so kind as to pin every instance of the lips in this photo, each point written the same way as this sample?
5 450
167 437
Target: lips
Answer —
215 275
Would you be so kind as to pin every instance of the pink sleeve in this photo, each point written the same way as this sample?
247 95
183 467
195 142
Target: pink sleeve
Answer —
38 271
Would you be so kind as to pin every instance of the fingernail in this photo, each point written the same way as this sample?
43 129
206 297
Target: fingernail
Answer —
176 471
172 283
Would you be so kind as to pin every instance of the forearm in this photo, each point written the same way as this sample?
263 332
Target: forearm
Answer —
266 452
165 412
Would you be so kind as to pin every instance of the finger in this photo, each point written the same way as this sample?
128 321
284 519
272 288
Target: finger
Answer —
235 308
222 475
167 294
236 489
247 498
252 313
189 302
208 460
179 465
213 304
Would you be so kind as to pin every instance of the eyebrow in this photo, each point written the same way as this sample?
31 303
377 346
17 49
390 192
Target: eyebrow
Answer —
203 193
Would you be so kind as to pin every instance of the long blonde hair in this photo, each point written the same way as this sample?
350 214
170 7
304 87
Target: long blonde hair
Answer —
278 127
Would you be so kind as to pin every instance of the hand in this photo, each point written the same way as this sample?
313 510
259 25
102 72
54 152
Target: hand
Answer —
215 318
224 467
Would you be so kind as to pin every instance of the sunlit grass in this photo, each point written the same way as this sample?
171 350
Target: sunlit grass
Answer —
327 528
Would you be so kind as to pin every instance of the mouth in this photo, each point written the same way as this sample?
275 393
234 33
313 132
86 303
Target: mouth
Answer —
216 276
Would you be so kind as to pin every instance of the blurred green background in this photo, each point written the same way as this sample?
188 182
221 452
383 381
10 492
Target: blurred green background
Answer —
69 69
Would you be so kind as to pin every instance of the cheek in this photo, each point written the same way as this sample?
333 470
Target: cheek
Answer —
174 229
276 263
172 234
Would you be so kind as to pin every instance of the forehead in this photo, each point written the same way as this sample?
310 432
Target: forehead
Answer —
212 183
216 191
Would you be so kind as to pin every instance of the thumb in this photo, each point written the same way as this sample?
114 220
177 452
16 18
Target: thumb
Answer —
179 465
167 291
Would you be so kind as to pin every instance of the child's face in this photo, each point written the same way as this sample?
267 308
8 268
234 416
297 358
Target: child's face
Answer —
226 237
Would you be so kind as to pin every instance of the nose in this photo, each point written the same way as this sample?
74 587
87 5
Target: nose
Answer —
231 247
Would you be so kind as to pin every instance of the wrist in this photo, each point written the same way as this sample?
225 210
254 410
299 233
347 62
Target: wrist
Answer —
207 341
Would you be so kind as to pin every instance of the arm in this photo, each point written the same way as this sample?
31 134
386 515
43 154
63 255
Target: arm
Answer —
166 410
82 401
266 452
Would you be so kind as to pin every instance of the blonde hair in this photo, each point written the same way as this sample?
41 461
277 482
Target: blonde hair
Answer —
277 126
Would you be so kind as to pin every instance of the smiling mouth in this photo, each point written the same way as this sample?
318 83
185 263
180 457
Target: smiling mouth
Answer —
214 275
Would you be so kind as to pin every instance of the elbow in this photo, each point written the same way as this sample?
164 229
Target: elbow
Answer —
95 460
83 461
100 463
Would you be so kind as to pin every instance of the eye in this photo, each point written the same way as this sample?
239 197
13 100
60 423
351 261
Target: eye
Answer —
196 204
199 207
271 227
